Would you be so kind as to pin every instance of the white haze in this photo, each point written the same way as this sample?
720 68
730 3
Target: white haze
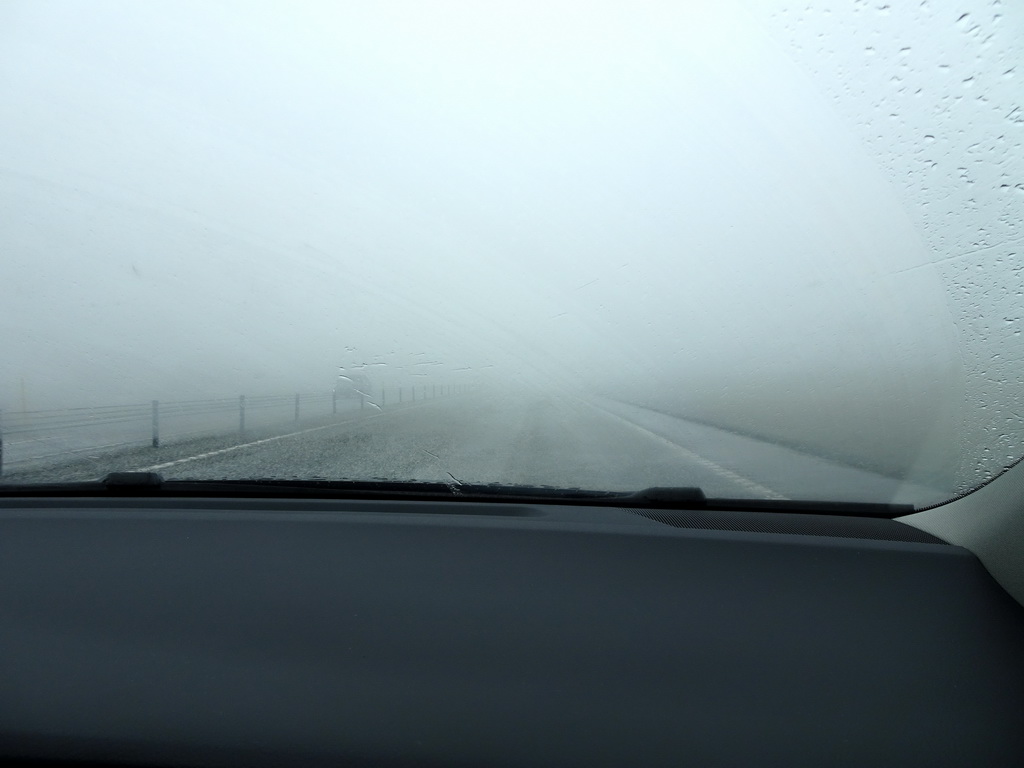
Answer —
673 202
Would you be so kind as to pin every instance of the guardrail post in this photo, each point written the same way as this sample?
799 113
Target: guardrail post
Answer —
241 413
1 442
296 406
334 402
156 423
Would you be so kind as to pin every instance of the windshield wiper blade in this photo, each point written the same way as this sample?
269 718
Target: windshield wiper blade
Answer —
153 483
678 497
694 498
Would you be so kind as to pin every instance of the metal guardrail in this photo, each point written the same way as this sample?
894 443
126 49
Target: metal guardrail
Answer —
48 436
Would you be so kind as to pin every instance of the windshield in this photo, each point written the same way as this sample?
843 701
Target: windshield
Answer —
757 248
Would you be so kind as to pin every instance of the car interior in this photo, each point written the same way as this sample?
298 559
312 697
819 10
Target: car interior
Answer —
524 385
151 624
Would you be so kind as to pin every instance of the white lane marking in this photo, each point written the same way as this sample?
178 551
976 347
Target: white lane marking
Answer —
726 474
231 448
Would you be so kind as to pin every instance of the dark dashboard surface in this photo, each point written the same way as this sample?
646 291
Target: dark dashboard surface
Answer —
211 632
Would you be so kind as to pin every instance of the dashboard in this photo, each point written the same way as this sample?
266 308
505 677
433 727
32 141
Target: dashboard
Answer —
242 632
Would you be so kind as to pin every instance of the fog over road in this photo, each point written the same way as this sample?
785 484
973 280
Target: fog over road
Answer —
562 441
800 224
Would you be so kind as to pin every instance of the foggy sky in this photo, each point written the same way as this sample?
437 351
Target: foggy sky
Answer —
696 203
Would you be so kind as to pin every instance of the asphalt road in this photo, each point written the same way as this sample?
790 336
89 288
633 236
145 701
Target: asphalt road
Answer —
562 441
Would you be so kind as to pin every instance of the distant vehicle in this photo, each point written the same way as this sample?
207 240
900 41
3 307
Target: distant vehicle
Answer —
352 385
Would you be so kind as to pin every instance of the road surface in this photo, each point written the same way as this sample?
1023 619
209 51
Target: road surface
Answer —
563 441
